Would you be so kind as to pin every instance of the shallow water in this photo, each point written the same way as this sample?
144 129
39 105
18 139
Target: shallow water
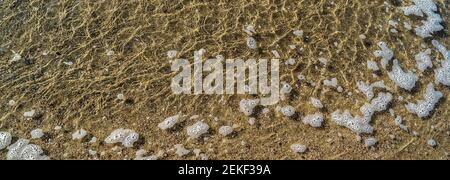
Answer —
50 33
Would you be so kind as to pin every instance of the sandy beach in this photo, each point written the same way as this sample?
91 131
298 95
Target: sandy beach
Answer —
72 72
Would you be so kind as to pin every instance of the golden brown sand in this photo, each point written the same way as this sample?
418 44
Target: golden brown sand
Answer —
140 32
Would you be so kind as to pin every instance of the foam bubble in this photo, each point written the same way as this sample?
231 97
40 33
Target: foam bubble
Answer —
225 130
423 60
370 142
358 124
37 134
314 120
288 111
181 151
79 134
252 43
197 130
423 108
316 103
169 122
299 148
247 106
125 136
5 140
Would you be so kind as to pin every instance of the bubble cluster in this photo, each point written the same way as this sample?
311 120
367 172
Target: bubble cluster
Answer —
22 150
299 148
169 122
288 111
181 151
252 43
37 133
197 130
316 103
247 106
79 134
5 140
125 136
433 22
370 142
423 108
314 120
405 80
225 130
358 124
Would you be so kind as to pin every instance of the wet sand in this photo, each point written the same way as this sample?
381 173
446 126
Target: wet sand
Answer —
50 33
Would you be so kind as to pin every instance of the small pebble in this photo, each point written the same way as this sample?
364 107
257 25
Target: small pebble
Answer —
290 62
252 121
5 140
121 97
169 122
110 53
370 142
298 33
16 57
362 36
92 152
316 103
225 130
197 130
68 63
251 43
432 143
29 114
323 61
12 103
37 134
288 111
298 148
93 140
79 134
266 111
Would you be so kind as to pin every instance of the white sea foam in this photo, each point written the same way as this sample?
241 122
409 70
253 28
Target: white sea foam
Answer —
423 60
197 130
405 80
361 124
5 140
442 74
125 136
314 120
37 134
247 106
169 123
423 108
298 148
22 150
288 111
433 22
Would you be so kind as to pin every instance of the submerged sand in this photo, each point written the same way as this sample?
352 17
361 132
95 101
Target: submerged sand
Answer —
120 47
